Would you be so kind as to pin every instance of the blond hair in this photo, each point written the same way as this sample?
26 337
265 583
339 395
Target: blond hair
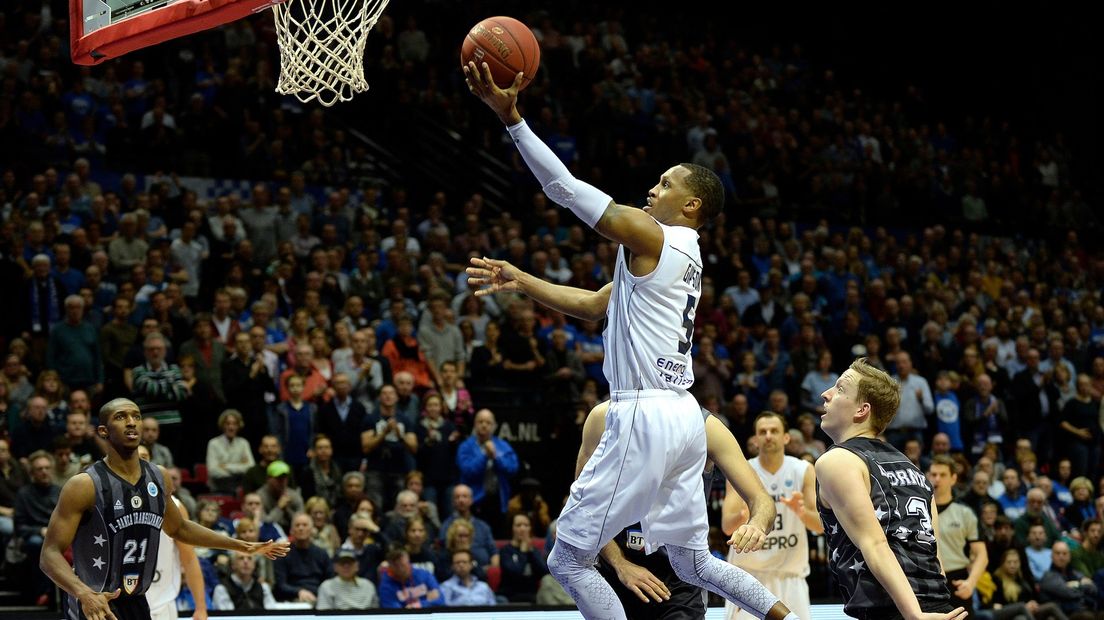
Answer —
881 391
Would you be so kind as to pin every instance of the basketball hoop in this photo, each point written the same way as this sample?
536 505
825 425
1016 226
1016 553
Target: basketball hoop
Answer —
322 47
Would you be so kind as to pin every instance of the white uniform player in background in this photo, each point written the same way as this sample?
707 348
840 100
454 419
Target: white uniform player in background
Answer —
647 466
172 559
782 564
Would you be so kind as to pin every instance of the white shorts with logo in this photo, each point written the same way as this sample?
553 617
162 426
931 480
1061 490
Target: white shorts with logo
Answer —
165 612
792 590
648 468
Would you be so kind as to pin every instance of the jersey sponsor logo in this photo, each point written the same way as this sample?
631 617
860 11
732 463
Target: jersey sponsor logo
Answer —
130 583
780 542
119 505
670 366
136 501
151 488
634 540
136 518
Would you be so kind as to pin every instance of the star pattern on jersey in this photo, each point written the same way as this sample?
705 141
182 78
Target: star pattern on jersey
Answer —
857 565
879 513
99 540
98 563
832 529
835 554
901 533
896 513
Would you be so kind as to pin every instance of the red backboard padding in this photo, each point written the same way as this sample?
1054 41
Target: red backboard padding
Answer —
169 22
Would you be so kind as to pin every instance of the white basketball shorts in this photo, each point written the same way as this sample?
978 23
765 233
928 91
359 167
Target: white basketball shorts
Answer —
647 468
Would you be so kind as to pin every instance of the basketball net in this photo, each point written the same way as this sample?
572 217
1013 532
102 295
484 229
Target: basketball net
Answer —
322 47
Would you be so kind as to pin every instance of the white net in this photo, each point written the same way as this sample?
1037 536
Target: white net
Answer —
322 47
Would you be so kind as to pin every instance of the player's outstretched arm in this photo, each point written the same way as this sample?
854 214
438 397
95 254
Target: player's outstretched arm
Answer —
77 496
726 454
499 276
842 476
628 226
189 532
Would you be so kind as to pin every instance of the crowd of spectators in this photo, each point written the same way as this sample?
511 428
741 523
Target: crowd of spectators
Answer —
314 365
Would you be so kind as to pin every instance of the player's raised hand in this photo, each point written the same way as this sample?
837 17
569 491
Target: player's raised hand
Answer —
95 605
272 549
482 85
498 276
747 538
795 502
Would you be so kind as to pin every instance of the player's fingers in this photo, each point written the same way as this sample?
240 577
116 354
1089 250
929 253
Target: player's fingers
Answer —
494 262
518 79
660 587
115 594
487 75
478 262
639 592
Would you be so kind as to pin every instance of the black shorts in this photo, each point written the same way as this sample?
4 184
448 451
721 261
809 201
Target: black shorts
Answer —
686 603
126 607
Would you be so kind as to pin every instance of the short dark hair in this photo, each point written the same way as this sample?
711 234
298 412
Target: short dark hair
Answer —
771 414
705 185
462 552
945 461
110 406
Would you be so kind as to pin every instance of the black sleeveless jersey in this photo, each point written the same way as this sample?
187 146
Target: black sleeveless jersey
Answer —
902 497
117 540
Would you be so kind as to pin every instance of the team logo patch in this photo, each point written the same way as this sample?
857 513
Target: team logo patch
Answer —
634 540
151 488
130 583
136 501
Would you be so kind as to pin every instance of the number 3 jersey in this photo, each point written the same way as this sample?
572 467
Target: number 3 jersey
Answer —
116 542
786 549
650 318
902 499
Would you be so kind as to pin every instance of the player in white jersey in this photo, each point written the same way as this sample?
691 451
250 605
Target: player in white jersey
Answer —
648 465
172 558
783 562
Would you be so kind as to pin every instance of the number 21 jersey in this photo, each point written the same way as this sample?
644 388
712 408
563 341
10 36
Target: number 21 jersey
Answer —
117 540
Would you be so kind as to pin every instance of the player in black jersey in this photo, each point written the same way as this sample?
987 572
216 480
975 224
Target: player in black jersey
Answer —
112 514
881 542
646 584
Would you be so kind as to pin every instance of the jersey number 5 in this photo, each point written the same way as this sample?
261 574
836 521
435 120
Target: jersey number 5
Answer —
688 324
132 546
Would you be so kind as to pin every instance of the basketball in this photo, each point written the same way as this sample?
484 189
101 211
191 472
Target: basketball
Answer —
506 45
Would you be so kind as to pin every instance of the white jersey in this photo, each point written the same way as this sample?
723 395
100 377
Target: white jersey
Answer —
786 549
166 578
650 319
